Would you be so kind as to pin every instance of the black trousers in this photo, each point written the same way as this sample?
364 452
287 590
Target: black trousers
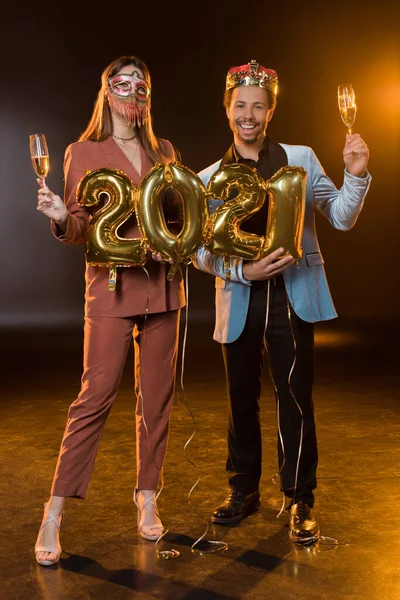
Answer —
290 341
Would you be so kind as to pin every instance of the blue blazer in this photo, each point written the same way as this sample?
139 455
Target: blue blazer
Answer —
306 283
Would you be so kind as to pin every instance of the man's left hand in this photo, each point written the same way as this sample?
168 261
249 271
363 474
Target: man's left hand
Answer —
355 154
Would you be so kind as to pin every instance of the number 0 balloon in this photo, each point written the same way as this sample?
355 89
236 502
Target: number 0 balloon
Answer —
150 213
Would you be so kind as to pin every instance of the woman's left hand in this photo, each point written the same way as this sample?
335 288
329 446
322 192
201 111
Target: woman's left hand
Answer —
158 258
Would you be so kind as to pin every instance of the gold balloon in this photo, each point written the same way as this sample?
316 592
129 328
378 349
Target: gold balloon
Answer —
150 213
226 236
104 248
220 233
287 193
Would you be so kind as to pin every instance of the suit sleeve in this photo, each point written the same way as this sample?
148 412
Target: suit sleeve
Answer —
340 207
78 216
204 260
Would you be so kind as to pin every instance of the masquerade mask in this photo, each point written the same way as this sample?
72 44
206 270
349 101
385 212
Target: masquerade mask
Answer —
129 97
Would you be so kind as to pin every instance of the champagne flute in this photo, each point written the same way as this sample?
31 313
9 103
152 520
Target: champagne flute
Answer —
39 155
347 104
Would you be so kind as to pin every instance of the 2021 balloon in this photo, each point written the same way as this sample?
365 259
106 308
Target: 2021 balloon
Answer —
220 233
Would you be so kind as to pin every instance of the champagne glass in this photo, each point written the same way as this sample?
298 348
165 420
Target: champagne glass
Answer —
347 104
39 155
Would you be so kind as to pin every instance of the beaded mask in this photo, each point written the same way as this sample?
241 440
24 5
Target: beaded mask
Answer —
129 97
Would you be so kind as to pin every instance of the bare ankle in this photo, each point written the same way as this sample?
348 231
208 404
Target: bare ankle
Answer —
55 504
147 493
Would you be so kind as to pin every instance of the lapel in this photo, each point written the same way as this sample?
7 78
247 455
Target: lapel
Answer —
116 159
229 156
296 155
300 156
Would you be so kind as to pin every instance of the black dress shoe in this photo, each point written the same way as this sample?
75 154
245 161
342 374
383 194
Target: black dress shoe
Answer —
236 507
303 528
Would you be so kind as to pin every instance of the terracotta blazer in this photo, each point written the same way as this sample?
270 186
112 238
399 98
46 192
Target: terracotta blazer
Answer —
130 295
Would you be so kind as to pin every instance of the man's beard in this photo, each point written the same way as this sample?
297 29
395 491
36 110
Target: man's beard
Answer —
259 131
133 113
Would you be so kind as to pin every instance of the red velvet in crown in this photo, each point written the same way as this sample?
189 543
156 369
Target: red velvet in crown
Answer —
252 74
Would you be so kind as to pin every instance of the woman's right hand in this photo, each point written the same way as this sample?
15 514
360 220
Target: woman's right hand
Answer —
51 205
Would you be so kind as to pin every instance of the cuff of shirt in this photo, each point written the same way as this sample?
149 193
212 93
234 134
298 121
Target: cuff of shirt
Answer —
355 178
57 231
239 271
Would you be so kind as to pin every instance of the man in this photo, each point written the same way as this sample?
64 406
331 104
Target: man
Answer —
274 298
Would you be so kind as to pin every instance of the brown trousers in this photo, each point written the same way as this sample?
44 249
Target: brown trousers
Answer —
106 345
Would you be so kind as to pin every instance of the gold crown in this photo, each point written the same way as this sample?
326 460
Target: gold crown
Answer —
252 74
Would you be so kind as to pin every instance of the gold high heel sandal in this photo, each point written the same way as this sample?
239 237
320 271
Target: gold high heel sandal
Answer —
56 549
145 529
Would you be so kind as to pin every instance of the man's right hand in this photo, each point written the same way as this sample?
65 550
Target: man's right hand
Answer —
267 267
51 205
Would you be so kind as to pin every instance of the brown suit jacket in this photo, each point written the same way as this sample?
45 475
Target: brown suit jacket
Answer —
130 295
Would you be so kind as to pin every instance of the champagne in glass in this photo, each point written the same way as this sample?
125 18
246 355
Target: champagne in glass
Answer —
39 155
347 104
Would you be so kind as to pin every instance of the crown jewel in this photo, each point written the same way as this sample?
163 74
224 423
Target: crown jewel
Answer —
252 74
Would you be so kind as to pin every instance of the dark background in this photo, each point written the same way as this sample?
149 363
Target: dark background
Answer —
51 61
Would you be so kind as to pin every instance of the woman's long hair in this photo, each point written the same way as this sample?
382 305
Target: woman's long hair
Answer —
100 125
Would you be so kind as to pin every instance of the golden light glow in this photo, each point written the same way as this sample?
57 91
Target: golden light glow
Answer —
326 339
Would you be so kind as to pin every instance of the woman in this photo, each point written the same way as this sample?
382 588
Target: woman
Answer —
119 136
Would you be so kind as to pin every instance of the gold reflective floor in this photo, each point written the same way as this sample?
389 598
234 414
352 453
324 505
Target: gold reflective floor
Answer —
358 420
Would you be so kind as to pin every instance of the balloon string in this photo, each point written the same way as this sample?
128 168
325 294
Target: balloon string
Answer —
216 545
164 554
330 541
276 396
295 400
274 479
278 408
